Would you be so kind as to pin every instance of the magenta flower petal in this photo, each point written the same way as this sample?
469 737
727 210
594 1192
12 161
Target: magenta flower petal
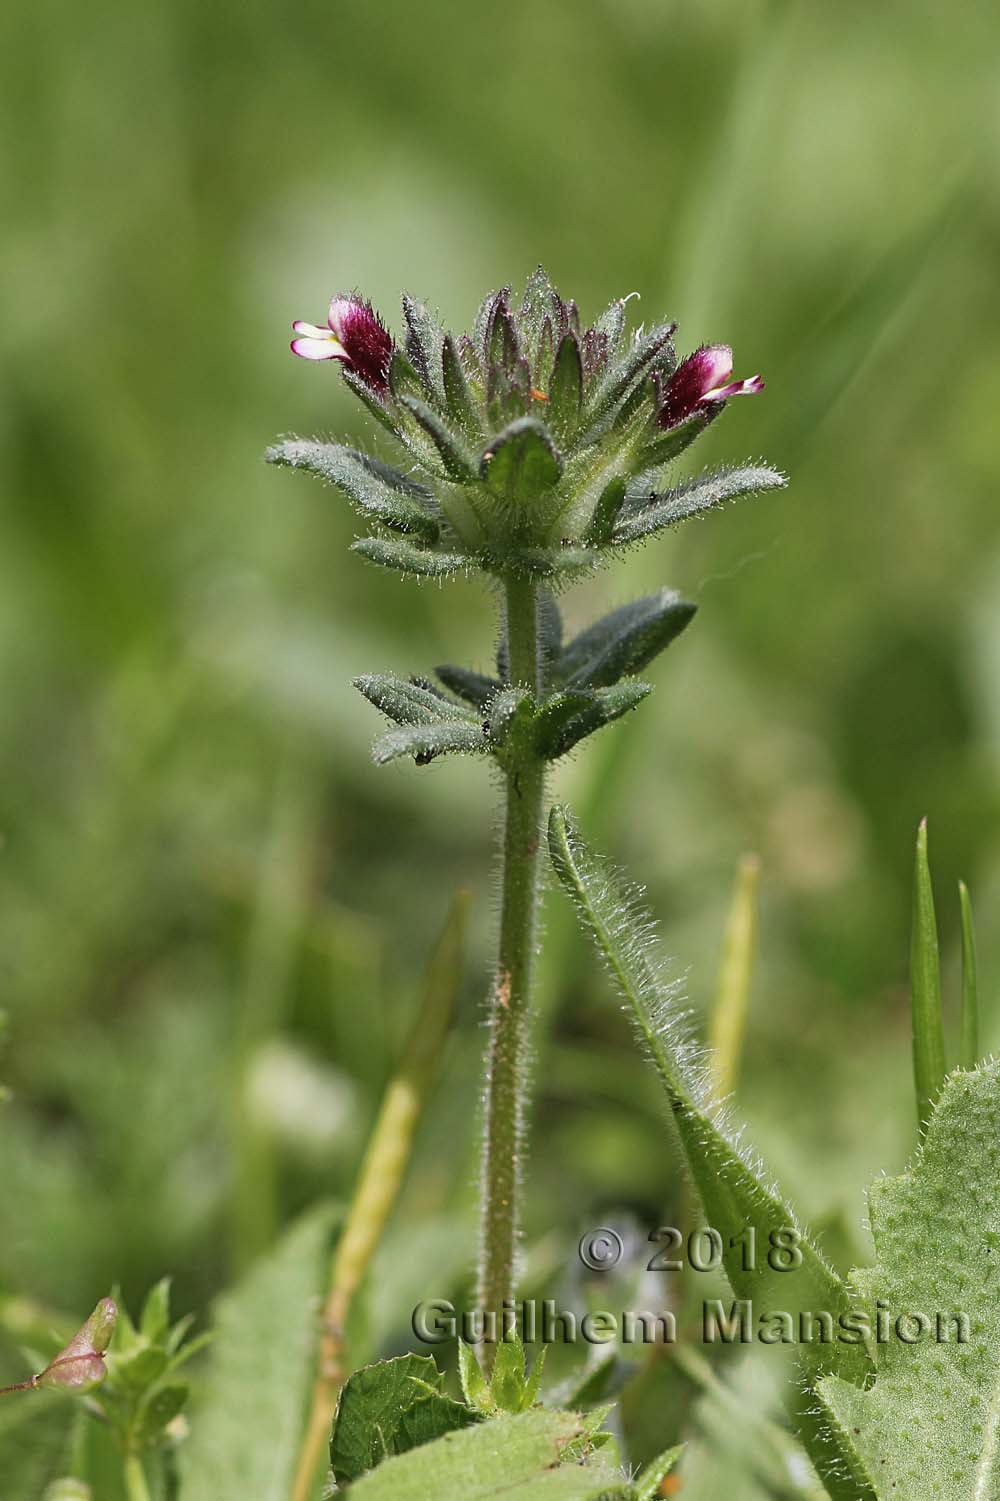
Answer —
702 377
318 349
366 341
749 387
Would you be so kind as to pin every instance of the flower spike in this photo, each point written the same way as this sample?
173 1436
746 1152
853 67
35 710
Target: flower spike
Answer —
703 378
355 335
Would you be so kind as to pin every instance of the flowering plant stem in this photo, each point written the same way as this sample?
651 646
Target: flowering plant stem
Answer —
135 1479
509 1021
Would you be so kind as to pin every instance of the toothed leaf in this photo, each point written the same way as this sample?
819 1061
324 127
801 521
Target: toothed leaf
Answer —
624 641
929 1425
377 490
389 1408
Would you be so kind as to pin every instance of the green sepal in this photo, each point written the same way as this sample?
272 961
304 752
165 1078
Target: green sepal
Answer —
426 741
645 514
521 462
410 702
624 641
535 305
565 719
455 457
424 340
456 389
601 526
663 447
369 399
377 490
633 363
475 687
475 1387
649 1481
404 380
566 386
407 557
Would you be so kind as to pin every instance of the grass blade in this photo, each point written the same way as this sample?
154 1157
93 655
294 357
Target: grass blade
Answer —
728 1022
970 983
929 1065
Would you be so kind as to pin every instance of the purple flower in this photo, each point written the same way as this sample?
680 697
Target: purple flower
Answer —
703 378
354 334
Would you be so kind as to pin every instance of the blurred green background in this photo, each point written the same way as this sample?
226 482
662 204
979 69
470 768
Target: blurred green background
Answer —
213 909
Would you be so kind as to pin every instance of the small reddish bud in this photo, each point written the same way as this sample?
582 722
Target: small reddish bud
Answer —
79 1366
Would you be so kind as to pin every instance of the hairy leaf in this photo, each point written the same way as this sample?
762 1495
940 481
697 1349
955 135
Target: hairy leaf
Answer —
425 741
475 687
624 641
729 1180
527 1457
456 389
424 340
246 1439
566 386
642 515
407 557
377 490
930 1423
634 362
455 457
408 702
567 718
388 1408
521 462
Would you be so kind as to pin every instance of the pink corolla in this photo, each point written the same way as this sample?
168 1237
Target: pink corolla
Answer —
355 335
702 379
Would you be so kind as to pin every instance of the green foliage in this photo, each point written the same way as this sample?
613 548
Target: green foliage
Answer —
929 1065
930 1423
509 1387
625 641
970 1048
389 1408
521 462
729 1181
530 1456
246 1438
142 1395
378 491
647 512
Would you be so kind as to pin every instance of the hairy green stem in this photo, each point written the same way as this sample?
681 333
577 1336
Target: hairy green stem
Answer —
507 1058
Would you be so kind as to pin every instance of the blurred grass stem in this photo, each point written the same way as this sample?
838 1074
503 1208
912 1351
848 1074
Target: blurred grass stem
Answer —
382 1170
732 995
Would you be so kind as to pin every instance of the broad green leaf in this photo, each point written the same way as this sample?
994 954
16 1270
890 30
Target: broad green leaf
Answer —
517 1458
407 557
475 687
389 1408
408 702
643 515
521 462
458 462
624 641
929 1065
377 490
246 1433
730 1182
970 983
424 742
929 1426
